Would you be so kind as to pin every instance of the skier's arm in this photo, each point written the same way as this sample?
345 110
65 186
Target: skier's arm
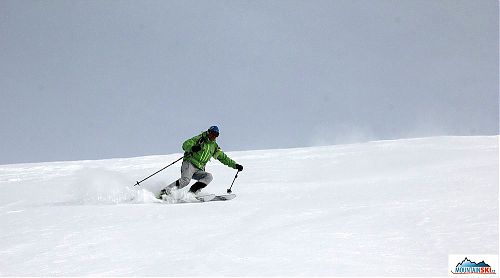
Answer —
188 144
222 157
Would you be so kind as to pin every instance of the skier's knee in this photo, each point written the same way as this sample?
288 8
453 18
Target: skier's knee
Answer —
208 178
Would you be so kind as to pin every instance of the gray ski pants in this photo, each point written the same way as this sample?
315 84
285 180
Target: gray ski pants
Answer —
188 172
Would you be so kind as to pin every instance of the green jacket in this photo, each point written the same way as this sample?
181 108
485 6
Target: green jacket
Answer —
208 150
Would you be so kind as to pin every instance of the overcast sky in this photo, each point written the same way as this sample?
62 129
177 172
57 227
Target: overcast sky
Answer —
108 79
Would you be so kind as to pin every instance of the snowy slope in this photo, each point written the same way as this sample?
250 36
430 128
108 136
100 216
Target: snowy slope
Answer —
380 208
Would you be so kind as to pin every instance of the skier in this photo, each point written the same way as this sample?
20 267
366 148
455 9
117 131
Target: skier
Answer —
198 151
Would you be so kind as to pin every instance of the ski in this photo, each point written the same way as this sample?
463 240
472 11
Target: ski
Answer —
225 197
206 198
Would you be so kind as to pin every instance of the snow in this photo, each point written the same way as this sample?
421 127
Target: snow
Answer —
385 208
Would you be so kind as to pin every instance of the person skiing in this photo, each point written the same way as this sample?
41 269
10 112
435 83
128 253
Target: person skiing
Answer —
197 152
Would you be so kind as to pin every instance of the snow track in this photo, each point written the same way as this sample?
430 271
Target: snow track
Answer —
381 208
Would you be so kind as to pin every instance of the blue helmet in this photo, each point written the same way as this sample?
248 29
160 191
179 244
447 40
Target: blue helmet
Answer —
214 129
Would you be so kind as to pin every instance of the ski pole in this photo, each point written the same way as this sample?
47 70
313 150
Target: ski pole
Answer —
138 182
229 190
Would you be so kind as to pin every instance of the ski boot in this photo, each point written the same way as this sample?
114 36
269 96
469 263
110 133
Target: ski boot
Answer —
167 190
197 187
164 192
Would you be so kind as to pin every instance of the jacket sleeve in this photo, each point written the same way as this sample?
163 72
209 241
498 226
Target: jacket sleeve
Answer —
188 144
222 157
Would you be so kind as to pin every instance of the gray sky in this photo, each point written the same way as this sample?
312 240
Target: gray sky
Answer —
107 79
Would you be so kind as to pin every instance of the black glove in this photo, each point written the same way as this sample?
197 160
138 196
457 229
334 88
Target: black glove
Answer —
239 167
195 148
